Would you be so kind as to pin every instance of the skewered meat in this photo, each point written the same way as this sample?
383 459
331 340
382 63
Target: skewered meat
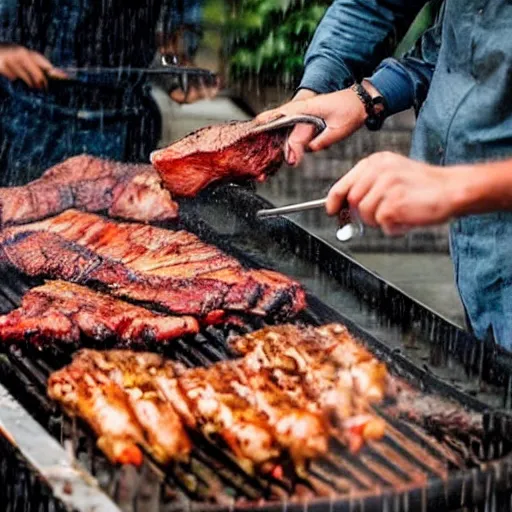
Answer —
134 373
92 184
207 402
172 270
63 312
223 152
92 396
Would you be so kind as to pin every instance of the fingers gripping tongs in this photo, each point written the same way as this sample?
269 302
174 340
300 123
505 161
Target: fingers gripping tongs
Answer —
350 223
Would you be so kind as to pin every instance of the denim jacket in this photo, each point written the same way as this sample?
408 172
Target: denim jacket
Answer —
459 79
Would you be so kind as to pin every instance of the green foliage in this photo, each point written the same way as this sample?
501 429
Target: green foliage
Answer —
271 36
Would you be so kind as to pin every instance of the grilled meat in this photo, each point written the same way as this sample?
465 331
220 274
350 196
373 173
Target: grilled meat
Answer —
206 401
336 373
135 374
90 395
279 397
92 184
61 311
173 270
222 152
302 432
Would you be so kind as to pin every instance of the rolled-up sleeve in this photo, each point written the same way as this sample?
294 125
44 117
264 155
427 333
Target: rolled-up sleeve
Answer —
352 38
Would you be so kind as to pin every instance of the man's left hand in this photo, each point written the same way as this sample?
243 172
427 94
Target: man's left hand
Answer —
397 193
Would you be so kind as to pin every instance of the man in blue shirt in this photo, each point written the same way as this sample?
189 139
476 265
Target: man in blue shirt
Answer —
44 121
458 78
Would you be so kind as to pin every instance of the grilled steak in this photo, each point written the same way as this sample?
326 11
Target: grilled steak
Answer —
135 374
172 270
222 152
63 312
88 183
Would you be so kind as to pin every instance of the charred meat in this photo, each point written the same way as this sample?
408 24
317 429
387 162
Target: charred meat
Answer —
218 153
172 270
128 191
64 312
135 374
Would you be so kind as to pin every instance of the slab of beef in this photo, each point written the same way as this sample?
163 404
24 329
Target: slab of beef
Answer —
172 270
114 392
222 152
91 184
63 312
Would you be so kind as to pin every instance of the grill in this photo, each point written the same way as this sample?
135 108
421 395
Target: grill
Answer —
447 450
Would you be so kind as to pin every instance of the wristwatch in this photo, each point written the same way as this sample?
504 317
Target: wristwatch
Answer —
375 107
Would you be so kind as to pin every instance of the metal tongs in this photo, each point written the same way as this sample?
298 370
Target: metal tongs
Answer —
350 222
168 67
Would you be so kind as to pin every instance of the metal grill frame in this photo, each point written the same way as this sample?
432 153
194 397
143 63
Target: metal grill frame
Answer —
462 488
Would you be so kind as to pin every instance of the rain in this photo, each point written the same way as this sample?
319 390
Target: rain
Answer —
118 81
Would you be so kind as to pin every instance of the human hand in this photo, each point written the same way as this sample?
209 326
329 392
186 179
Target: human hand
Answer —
18 62
342 111
196 92
396 193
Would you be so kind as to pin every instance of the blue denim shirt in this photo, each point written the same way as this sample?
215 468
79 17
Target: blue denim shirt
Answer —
459 79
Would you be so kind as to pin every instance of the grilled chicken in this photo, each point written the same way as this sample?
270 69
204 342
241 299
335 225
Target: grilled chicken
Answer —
206 401
302 432
172 270
65 312
135 374
93 397
280 397
218 153
336 373
92 184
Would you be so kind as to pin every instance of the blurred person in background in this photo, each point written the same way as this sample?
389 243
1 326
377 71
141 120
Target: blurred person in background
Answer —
458 78
46 117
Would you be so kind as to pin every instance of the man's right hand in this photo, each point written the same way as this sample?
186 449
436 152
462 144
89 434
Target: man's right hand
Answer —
342 111
17 62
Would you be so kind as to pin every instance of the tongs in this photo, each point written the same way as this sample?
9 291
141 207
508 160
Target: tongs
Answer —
350 222
290 122
167 67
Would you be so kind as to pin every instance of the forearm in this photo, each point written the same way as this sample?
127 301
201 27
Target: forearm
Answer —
483 188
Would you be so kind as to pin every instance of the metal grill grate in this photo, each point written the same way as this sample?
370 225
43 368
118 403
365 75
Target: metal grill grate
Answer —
436 461
407 459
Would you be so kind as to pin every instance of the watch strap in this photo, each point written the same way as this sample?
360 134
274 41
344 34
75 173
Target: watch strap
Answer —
375 115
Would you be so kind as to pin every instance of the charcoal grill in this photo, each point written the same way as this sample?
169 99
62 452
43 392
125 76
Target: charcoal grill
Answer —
453 448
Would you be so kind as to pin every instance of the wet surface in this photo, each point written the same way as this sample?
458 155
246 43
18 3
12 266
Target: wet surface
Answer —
425 351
